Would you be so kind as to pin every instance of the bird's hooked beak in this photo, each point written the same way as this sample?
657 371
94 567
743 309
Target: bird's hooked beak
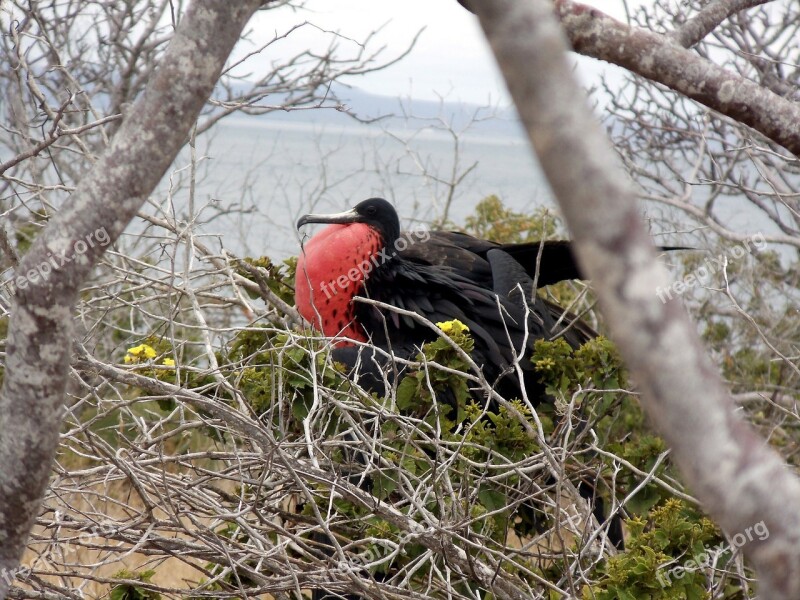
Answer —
348 216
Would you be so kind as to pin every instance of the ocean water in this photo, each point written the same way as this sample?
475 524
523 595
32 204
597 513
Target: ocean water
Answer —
256 177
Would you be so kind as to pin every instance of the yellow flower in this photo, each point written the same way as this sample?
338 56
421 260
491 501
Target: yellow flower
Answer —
169 362
546 364
137 353
454 327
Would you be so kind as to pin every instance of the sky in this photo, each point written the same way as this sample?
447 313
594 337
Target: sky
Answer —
450 60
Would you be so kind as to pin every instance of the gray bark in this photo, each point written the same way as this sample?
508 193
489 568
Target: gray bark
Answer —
740 480
707 19
659 59
39 337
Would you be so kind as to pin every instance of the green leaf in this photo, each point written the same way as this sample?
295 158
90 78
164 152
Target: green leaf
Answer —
299 409
492 499
133 592
407 393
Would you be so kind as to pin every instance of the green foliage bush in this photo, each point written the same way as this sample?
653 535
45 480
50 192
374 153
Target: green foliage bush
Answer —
133 591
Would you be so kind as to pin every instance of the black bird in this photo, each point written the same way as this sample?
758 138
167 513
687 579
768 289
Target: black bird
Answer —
438 275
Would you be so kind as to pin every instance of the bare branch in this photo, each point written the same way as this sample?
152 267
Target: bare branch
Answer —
739 479
657 58
704 22
106 199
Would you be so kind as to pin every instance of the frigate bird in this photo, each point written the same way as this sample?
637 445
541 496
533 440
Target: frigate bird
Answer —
425 277
432 277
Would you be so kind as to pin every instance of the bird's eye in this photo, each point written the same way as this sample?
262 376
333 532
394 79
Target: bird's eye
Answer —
371 211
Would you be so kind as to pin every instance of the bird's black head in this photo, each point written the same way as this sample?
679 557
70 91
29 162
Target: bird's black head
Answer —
375 212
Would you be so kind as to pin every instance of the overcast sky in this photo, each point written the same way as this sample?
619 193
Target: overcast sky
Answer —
451 58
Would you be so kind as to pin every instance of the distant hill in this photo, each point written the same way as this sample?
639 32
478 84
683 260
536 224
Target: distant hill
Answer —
356 105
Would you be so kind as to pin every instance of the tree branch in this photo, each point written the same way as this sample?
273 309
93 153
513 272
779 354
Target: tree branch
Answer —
51 273
709 18
433 535
740 480
657 58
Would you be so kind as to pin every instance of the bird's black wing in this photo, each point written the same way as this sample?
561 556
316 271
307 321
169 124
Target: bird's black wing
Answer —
458 252
496 322
558 261
468 256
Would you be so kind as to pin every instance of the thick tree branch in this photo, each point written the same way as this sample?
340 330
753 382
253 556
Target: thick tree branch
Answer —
51 273
659 59
740 480
709 18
